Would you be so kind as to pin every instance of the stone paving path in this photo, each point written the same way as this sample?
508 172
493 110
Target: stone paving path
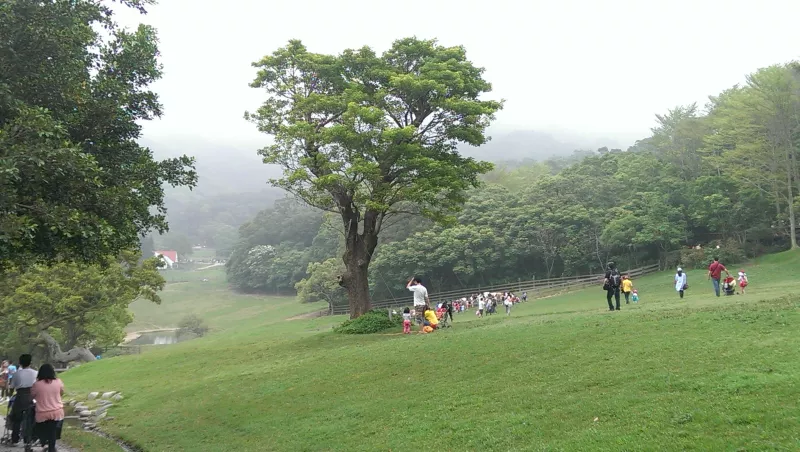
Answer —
19 448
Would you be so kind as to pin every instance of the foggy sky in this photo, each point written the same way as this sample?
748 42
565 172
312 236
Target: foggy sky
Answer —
591 69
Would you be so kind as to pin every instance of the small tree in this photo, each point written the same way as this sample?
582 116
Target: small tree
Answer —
321 283
75 306
192 324
369 136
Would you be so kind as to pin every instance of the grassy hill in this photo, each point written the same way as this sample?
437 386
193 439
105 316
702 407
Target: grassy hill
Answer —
703 373
205 293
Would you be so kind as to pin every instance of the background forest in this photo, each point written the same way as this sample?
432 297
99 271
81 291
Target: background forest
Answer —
724 175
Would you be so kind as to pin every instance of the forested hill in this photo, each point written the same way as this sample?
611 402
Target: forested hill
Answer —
232 188
725 179
528 145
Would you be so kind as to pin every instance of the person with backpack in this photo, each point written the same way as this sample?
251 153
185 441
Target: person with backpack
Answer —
611 285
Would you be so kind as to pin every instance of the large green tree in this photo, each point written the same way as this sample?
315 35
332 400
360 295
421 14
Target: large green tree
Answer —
75 306
74 183
369 136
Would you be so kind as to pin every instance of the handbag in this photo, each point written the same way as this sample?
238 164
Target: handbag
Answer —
686 286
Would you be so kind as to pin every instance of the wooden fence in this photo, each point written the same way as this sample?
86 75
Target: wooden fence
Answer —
537 288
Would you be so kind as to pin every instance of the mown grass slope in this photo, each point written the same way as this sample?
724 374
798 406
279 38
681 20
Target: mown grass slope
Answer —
704 373
205 293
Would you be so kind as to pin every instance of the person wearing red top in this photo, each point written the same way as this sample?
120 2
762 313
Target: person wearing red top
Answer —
715 273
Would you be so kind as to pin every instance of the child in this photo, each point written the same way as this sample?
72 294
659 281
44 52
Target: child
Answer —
430 319
635 296
742 280
627 287
406 321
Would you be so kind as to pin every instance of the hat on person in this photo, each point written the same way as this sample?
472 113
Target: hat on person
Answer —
680 269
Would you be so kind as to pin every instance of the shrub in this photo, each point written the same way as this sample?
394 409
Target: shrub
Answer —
729 253
371 322
191 324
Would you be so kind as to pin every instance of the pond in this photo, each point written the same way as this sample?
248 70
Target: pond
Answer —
157 338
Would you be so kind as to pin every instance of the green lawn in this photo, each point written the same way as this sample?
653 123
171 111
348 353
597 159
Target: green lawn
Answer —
704 373
214 302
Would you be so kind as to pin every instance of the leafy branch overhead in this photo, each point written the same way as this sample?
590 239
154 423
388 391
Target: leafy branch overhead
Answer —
74 182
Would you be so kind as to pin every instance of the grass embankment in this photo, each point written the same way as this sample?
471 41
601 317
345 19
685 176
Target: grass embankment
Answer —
704 373
86 441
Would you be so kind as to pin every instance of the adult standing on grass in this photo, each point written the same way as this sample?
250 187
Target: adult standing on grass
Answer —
611 284
47 391
681 282
715 273
421 299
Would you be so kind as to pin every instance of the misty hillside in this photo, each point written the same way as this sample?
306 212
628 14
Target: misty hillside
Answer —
233 181
220 168
526 145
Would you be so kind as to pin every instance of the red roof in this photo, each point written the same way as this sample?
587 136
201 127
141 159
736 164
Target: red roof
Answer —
171 255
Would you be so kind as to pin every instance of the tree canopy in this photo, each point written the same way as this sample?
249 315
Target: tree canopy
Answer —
80 305
370 136
74 183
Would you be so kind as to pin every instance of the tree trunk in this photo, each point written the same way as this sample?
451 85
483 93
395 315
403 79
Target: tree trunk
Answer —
359 249
55 354
792 223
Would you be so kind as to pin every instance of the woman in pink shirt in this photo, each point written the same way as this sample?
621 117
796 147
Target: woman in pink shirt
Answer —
47 392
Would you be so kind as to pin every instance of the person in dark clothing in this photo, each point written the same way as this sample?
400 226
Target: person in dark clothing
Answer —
23 380
611 284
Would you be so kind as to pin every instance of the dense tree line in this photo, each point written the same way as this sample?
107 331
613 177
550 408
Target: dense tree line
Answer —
726 177
77 190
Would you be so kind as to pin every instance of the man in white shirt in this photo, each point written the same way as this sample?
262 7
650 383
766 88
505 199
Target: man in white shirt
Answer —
481 306
420 298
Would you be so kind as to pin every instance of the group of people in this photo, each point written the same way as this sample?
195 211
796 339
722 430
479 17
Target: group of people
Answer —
425 316
37 393
429 319
614 283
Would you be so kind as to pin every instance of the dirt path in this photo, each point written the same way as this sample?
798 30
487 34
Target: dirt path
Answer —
309 315
61 447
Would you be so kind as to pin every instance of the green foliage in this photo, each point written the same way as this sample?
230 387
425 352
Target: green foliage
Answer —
370 322
75 183
192 325
729 252
275 248
371 136
78 304
322 283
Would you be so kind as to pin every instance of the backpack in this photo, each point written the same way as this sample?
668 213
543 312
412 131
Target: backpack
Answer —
614 278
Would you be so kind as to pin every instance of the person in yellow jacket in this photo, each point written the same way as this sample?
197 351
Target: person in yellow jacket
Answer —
627 288
430 319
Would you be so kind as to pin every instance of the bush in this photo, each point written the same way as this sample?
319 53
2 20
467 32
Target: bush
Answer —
191 324
371 322
729 253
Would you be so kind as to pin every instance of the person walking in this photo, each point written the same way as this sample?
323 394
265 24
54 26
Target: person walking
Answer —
627 288
611 285
681 282
47 391
22 382
715 273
